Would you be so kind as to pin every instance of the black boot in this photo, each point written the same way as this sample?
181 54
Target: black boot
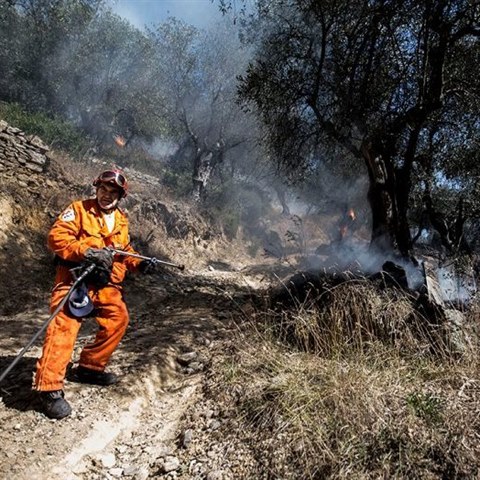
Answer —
54 405
95 377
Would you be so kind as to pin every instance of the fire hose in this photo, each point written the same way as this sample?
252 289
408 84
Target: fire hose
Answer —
24 350
77 280
153 260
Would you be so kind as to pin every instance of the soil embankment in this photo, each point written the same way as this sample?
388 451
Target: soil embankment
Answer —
133 429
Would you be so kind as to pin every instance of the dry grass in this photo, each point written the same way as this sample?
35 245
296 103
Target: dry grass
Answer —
365 399
376 415
350 315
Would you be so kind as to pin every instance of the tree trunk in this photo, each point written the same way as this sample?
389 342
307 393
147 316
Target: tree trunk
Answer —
205 162
381 200
202 170
280 191
403 235
388 195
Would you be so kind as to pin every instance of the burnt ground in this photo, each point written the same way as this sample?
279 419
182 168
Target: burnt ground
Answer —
142 427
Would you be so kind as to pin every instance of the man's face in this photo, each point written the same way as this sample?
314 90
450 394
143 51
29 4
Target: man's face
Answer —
108 196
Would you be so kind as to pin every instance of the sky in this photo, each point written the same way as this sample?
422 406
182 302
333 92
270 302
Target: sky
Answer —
150 12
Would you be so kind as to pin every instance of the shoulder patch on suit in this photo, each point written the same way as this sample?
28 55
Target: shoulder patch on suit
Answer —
68 215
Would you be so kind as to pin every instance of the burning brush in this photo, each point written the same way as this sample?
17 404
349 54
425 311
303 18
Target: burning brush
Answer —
120 141
347 224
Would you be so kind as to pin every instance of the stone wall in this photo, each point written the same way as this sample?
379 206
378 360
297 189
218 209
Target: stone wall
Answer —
22 157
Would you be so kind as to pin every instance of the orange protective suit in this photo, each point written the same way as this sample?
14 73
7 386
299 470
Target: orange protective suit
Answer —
80 227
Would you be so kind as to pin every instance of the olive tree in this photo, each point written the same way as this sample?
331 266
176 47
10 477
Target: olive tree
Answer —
107 81
33 33
199 78
382 79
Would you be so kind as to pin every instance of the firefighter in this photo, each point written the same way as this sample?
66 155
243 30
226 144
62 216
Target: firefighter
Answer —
82 233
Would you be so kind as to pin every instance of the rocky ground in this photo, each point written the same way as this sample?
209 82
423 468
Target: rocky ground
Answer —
157 422
177 413
160 421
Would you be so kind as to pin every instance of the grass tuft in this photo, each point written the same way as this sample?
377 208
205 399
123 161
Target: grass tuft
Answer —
347 387
353 314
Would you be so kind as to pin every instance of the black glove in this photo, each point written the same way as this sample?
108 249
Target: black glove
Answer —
100 256
146 266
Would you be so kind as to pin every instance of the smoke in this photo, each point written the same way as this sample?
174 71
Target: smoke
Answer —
134 12
141 13
161 149
115 79
457 287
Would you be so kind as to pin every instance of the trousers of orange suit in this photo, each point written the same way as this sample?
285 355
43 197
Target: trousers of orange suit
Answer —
112 318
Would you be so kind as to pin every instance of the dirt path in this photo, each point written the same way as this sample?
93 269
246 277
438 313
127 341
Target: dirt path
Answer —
132 429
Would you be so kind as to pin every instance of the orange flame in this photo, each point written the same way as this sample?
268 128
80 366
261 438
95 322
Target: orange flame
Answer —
120 141
346 222
351 214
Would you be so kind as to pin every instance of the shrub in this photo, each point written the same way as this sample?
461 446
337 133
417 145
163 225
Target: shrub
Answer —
53 131
233 204
178 181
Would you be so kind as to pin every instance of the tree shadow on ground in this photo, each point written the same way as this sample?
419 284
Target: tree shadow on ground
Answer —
28 271
16 389
182 313
170 314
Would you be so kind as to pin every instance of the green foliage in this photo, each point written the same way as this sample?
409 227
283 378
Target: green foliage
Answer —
389 85
233 204
253 247
231 221
71 59
178 181
53 131
77 61
426 406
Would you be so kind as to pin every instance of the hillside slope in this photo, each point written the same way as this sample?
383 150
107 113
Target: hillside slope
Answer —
223 378
178 322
